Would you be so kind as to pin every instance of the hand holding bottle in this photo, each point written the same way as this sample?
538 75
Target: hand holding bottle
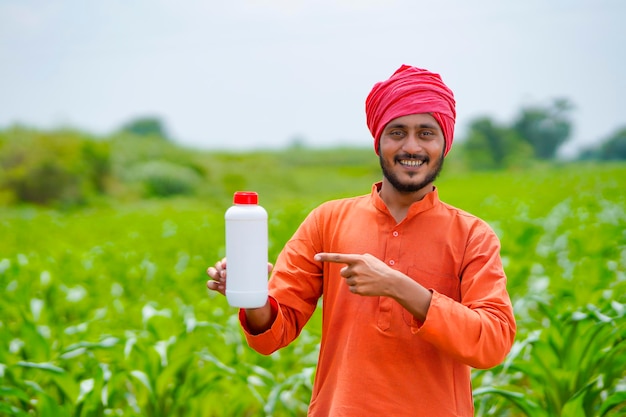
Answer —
217 273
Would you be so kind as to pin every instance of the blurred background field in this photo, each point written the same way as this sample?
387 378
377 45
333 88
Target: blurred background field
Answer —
105 236
105 242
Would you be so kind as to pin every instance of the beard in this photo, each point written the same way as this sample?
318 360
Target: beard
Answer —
410 187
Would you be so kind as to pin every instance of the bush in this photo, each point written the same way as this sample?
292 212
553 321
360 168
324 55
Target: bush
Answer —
164 179
61 167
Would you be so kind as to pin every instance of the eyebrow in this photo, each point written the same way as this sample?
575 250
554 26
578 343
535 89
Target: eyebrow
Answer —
421 126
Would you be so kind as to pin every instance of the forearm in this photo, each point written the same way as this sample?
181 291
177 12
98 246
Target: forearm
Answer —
411 295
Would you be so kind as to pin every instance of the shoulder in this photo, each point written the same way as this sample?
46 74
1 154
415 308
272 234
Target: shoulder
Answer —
329 215
466 219
334 211
457 212
342 204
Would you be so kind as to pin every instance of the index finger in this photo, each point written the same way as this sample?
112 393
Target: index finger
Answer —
341 258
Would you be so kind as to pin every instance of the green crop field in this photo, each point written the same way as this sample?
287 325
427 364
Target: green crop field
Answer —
104 310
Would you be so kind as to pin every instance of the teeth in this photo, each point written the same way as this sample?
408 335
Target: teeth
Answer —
411 163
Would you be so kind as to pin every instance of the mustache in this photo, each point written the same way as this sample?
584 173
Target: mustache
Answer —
417 156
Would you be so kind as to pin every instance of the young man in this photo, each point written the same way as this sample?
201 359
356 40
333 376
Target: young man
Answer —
414 293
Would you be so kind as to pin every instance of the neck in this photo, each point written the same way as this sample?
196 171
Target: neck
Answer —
399 202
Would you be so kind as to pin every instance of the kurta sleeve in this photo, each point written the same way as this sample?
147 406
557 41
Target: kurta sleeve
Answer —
294 287
479 331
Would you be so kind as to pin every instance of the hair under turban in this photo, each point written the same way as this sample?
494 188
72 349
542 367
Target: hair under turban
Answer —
411 90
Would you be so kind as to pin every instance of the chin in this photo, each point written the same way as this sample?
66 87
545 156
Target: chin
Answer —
414 181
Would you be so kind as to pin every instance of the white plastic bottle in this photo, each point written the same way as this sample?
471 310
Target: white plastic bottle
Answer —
246 251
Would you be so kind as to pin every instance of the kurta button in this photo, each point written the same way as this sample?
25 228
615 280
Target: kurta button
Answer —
392 262
395 234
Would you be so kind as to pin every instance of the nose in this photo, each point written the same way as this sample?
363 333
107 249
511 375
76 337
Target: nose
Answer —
412 144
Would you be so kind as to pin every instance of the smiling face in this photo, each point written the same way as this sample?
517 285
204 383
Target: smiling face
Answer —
411 153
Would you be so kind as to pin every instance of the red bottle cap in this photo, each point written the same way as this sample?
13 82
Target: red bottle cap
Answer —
246 197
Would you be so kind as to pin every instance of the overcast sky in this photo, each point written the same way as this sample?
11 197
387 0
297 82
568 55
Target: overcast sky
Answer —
245 74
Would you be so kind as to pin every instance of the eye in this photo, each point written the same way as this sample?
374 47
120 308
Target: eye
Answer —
396 133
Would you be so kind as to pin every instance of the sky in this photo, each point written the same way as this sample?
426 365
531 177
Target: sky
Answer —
252 74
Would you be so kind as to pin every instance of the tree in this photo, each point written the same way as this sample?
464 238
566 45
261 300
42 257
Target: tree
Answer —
62 167
545 128
146 126
491 146
613 148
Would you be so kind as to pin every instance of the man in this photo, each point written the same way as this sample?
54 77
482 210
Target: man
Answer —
414 293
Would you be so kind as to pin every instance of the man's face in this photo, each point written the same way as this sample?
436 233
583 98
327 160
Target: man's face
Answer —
411 152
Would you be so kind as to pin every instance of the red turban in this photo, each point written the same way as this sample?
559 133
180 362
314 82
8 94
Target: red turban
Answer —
411 90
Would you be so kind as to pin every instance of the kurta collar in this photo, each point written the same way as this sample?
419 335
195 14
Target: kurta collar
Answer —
429 201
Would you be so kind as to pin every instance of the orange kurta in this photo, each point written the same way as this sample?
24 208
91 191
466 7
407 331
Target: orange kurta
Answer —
375 358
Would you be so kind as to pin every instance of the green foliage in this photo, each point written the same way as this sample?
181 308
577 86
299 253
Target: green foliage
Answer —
112 318
146 126
164 179
568 284
149 167
489 146
282 175
612 148
61 167
545 128
615 146
574 365
105 312
536 133
66 168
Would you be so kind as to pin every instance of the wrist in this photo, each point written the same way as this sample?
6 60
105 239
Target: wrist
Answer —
259 320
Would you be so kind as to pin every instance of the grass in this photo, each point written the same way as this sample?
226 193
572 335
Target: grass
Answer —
105 310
